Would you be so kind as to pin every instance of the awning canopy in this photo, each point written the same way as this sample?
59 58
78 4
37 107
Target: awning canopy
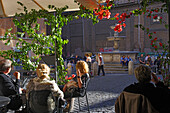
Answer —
8 8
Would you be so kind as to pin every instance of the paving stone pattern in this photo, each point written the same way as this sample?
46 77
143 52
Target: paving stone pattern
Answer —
103 91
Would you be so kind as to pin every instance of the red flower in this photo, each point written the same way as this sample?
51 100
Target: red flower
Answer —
107 14
117 18
131 13
119 21
155 47
108 3
151 43
159 78
160 17
149 16
160 43
147 10
155 38
156 10
101 14
117 14
124 25
73 75
155 17
118 28
154 32
149 35
100 17
123 16
68 78
151 11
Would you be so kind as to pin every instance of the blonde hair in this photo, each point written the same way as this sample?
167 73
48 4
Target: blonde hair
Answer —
43 71
82 66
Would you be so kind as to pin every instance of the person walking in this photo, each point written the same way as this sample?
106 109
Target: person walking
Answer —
100 64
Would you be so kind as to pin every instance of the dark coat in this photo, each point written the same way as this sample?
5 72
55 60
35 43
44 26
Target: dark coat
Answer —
159 96
8 86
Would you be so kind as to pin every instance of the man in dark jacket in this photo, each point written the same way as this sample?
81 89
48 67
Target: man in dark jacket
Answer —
158 95
8 87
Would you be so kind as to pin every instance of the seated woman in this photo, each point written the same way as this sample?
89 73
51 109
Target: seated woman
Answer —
81 80
43 82
79 84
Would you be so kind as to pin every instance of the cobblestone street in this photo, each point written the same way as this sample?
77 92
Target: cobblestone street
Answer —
103 92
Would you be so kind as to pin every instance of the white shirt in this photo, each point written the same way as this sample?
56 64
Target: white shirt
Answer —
88 59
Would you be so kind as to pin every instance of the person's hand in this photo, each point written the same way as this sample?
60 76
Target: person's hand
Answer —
17 74
154 78
23 90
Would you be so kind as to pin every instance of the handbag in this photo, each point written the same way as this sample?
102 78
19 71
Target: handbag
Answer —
15 103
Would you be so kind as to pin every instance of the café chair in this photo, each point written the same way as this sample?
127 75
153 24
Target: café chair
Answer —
43 101
84 94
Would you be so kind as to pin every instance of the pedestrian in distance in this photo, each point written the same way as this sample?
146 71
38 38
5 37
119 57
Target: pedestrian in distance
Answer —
100 64
88 61
142 59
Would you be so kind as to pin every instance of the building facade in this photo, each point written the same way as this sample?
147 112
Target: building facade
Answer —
84 37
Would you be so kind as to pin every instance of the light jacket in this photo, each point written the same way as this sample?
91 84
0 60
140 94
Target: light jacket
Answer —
133 103
45 84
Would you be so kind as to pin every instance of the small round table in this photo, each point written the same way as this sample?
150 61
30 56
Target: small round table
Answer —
4 101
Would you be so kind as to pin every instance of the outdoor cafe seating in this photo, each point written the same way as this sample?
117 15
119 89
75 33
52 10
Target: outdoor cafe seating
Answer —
44 101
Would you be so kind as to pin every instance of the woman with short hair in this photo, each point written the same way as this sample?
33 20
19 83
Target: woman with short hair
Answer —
41 92
43 82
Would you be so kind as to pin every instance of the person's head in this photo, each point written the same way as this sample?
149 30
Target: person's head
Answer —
5 66
87 55
141 55
123 56
128 56
43 71
143 74
149 59
99 54
82 66
158 57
